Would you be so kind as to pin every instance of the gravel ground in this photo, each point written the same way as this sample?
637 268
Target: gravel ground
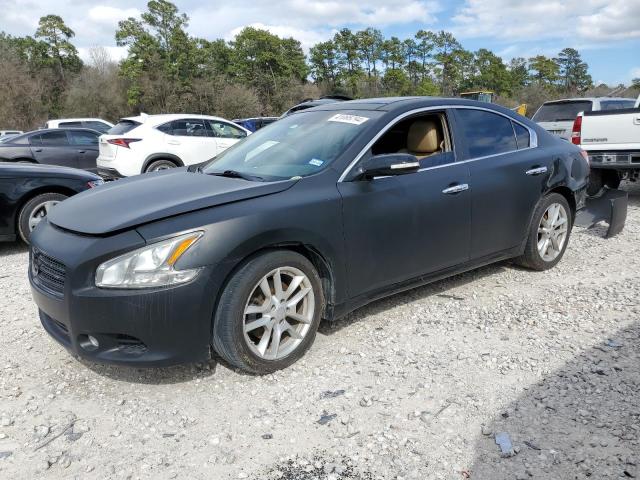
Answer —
417 386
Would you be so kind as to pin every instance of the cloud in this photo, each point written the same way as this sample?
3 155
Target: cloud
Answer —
522 20
111 15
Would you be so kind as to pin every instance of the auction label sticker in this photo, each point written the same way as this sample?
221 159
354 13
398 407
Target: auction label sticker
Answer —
344 118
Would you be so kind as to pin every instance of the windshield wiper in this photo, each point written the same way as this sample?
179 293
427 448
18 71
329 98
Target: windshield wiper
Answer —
236 174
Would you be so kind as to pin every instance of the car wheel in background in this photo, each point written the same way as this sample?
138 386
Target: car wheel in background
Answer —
549 233
269 312
34 211
158 165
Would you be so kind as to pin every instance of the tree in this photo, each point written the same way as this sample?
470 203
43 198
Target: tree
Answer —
322 58
61 52
348 55
544 71
425 44
369 46
573 71
490 72
519 72
635 83
448 53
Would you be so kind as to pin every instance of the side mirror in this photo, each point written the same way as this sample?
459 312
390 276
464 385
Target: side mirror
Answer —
389 164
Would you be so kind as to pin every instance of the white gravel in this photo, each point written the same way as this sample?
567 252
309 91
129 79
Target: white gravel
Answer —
412 387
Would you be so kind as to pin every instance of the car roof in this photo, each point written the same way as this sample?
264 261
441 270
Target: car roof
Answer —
590 99
165 117
392 104
83 119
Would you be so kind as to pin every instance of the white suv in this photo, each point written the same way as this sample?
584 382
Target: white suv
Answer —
148 143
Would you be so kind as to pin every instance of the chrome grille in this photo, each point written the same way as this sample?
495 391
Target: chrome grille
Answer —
47 272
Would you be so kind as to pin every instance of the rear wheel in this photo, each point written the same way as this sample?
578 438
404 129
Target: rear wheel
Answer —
269 312
549 233
34 211
158 165
598 179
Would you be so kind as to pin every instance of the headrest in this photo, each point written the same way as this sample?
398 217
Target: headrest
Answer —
424 136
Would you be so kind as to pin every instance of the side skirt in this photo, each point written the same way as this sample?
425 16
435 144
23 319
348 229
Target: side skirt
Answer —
350 305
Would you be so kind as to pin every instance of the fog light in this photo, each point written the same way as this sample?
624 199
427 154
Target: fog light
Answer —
88 342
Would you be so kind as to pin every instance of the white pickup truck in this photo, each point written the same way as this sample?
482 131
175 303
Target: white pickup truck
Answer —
612 140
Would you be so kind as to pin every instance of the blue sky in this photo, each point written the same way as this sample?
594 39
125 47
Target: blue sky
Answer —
606 32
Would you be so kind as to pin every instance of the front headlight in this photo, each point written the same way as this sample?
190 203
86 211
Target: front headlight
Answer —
150 266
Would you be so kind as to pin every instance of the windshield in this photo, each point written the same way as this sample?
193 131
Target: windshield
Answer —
299 145
561 111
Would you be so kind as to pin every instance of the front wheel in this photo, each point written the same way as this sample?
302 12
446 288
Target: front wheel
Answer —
549 233
32 213
269 312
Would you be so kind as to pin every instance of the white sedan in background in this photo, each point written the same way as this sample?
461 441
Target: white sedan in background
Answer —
149 143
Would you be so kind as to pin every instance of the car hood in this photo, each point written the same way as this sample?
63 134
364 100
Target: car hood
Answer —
127 203
13 169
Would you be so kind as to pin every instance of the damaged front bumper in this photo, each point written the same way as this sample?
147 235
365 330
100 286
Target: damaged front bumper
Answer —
610 207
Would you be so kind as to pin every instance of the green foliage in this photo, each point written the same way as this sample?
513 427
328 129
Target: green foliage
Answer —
573 71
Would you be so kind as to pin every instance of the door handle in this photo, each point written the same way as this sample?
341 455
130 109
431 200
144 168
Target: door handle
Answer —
456 189
536 171
173 142
81 151
636 121
37 150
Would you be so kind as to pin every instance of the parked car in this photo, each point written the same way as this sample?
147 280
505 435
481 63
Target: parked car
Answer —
4 138
310 103
149 143
10 132
256 123
73 147
28 192
557 116
96 124
322 212
612 140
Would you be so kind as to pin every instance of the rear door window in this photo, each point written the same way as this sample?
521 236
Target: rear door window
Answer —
79 137
53 139
561 111
122 127
485 133
616 104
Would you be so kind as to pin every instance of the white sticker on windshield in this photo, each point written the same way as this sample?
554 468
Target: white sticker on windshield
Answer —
316 162
344 118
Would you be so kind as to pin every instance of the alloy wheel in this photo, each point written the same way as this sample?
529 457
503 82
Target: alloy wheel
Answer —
279 313
552 232
38 213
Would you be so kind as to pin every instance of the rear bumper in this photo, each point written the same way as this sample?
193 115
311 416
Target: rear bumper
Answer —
610 207
142 327
109 173
615 160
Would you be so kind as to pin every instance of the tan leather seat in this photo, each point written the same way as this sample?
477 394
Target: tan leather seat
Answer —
424 139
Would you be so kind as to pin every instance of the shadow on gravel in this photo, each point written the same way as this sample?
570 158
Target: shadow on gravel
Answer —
13 248
153 376
438 289
582 421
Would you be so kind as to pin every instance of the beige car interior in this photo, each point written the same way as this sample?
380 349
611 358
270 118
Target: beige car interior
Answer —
422 136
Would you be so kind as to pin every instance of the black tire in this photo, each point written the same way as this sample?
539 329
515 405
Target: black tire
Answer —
228 337
531 257
28 209
161 164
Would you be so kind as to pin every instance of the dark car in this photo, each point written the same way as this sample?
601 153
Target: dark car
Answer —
320 213
69 147
256 123
310 103
28 192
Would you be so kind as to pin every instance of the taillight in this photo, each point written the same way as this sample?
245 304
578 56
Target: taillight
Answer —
576 132
122 142
95 183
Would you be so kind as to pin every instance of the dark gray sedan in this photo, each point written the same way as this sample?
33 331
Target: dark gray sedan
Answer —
72 147
306 219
